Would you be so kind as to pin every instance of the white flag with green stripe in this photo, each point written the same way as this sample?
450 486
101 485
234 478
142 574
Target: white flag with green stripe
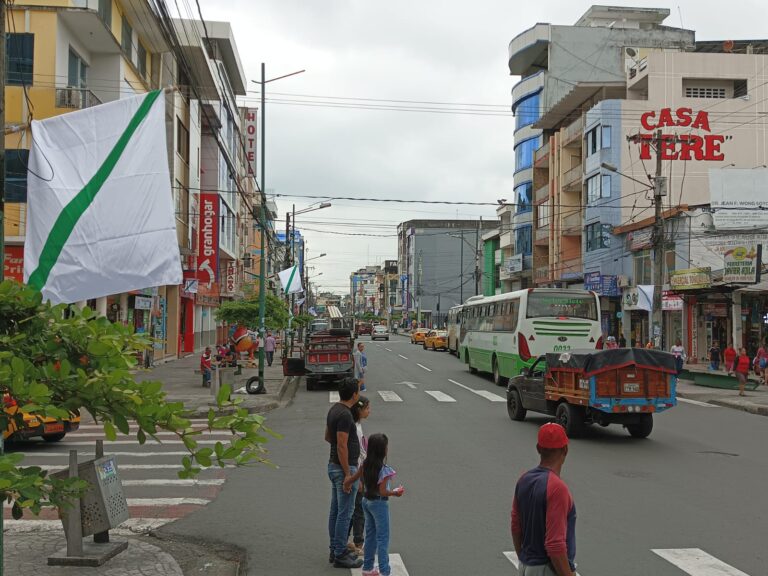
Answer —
291 280
99 204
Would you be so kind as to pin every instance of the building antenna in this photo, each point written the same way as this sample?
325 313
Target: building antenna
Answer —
680 12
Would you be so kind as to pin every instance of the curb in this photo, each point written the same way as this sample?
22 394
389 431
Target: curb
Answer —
288 388
750 408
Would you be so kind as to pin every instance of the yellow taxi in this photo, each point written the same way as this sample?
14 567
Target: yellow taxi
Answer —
49 429
417 335
436 340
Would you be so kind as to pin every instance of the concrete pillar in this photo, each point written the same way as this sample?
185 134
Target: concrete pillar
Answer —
123 308
101 306
737 329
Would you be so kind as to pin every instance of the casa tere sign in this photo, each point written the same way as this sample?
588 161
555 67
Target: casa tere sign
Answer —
681 146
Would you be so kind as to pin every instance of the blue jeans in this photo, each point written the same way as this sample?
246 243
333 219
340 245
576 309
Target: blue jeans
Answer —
342 505
376 531
714 365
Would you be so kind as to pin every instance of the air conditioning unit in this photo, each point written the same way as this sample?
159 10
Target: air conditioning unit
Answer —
623 281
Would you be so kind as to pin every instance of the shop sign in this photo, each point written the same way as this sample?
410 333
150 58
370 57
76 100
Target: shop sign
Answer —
250 140
230 279
671 302
680 146
143 303
13 263
603 285
208 245
719 309
638 298
742 264
737 198
690 279
640 239
514 264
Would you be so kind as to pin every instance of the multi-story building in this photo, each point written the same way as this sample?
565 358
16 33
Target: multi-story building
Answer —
595 173
439 265
563 69
493 271
366 288
74 55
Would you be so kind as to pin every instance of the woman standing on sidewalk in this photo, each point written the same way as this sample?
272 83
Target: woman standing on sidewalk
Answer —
741 367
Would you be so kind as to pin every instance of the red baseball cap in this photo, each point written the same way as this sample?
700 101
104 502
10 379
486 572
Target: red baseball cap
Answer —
552 435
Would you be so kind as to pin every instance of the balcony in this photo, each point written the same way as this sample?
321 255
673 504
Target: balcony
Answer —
541 195
572 134
541 275
570 269
541 157
542 236
528 48
571 181
572 224
76 98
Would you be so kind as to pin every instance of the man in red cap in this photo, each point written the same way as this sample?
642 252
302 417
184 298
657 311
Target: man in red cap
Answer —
543 513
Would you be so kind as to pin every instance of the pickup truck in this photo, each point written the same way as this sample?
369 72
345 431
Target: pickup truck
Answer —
328 357
624 386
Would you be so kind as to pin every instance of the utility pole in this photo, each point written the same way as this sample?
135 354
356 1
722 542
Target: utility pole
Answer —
477 257
418 291
2 168
659 246
262 234
292 298
461 270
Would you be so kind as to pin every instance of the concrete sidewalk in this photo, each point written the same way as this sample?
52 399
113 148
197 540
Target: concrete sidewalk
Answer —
755 401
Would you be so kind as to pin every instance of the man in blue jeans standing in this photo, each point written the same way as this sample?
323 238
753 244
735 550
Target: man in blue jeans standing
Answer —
341 433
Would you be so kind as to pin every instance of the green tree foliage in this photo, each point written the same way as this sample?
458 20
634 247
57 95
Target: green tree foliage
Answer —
55 361
246 313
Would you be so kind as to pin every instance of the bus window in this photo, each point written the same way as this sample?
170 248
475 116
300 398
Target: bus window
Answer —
553 305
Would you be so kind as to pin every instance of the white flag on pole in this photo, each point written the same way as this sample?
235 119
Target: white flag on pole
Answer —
291 280
100 216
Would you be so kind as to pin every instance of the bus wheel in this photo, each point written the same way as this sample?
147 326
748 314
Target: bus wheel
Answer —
515 406
570 418
643 428
498 379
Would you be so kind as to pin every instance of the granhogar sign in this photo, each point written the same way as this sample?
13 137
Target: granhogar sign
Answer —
682 146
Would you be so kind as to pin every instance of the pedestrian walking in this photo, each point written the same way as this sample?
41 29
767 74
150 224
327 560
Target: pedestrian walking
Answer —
762 363
341 434
543 512
269 347
729 356
741 367
377 490
361 363
206 366
679 353
714 356
360 411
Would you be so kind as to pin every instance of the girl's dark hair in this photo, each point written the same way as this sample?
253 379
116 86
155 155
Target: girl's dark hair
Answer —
358 407
377 453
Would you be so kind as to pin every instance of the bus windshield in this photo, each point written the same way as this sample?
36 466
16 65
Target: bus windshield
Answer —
553 304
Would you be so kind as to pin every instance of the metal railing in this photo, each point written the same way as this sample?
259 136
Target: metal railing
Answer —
77 98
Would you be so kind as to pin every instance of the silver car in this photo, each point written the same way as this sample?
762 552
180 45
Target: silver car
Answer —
380 332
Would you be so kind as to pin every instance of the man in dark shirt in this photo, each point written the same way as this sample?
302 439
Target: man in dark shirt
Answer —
543 514
341 433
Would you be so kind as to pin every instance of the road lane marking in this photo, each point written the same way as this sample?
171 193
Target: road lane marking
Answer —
483 393
411 385
512 557
697 403
403 357
173 482
136 467
388 349
389 396
97 436
194 423
395 563
422 366
696 562
440 396
333 396
34 454
136 442
154 502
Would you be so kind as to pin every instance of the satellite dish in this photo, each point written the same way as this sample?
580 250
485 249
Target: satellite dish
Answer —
728 46
631 52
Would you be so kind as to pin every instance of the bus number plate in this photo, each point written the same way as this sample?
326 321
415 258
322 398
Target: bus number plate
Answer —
631 387
561 348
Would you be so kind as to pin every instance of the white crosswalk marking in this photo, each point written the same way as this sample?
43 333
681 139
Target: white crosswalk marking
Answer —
149 442
440 396
697 402
512 557
696 562
484 393
130 467
333 396
389 396
395 563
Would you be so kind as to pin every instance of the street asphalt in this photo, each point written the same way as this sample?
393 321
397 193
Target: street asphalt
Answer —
689 499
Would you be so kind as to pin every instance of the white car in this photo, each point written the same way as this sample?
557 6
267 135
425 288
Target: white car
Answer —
380 332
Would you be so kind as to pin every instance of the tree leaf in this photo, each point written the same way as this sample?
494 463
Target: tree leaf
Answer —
223 395
109 431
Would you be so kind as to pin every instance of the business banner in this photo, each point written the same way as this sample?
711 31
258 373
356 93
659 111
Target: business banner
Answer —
690 279
742 264
208 246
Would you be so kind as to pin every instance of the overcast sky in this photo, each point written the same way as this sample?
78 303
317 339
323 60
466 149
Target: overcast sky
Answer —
419 50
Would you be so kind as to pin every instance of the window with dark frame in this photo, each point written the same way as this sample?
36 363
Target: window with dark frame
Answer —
182 140
126 40
19 59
